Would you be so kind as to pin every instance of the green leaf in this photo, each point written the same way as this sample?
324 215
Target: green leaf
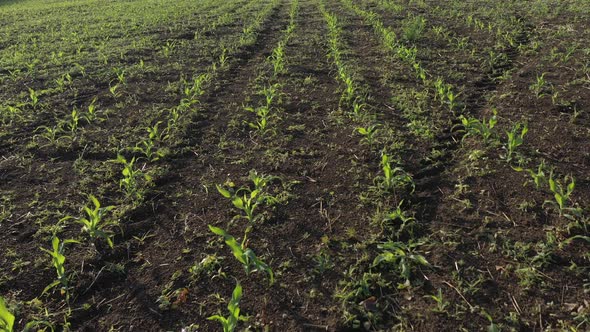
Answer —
231 242
235 298
420 259
218 318
225 193
559 199
95 201
571 186
6 318
50 286
552 185
238 202
217 230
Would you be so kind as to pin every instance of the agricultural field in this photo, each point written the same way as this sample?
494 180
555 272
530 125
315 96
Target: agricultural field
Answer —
295 165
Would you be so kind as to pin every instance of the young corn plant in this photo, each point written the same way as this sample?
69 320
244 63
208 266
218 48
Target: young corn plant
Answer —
230 322
271 97
58 260
148 146
52 134
393 177
358 107
94 224
451 97
539 176
114 90
34 96
244 255
561 194
91 114
441 304
6 318
404 257
515 139
247 199
272 94
350 89
277 59
131 177
193 91
413 28
223 57
406 221
261 123
483 128
368 133
120 73
540 87
73 121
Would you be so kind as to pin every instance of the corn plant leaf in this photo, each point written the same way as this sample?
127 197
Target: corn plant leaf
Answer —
6 318
231 243
571 186
420 259
238 202
224 192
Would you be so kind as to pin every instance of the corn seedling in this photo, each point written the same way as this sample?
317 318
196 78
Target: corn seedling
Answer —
246 256
193 91
358 107
277 58
349 93
451 98
120 72
515 139
34 96
403 256
393 177
407 54
9 112
406 221
131 176
539 177
73 121
168 48
230 323
262 114
51 134
247 199
441 304
113 90
561 193
368 133
148 146
58 260
91 115
63 81
223 58
94 223
540 87
413 28
6 318
441 89
271 96
474 126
